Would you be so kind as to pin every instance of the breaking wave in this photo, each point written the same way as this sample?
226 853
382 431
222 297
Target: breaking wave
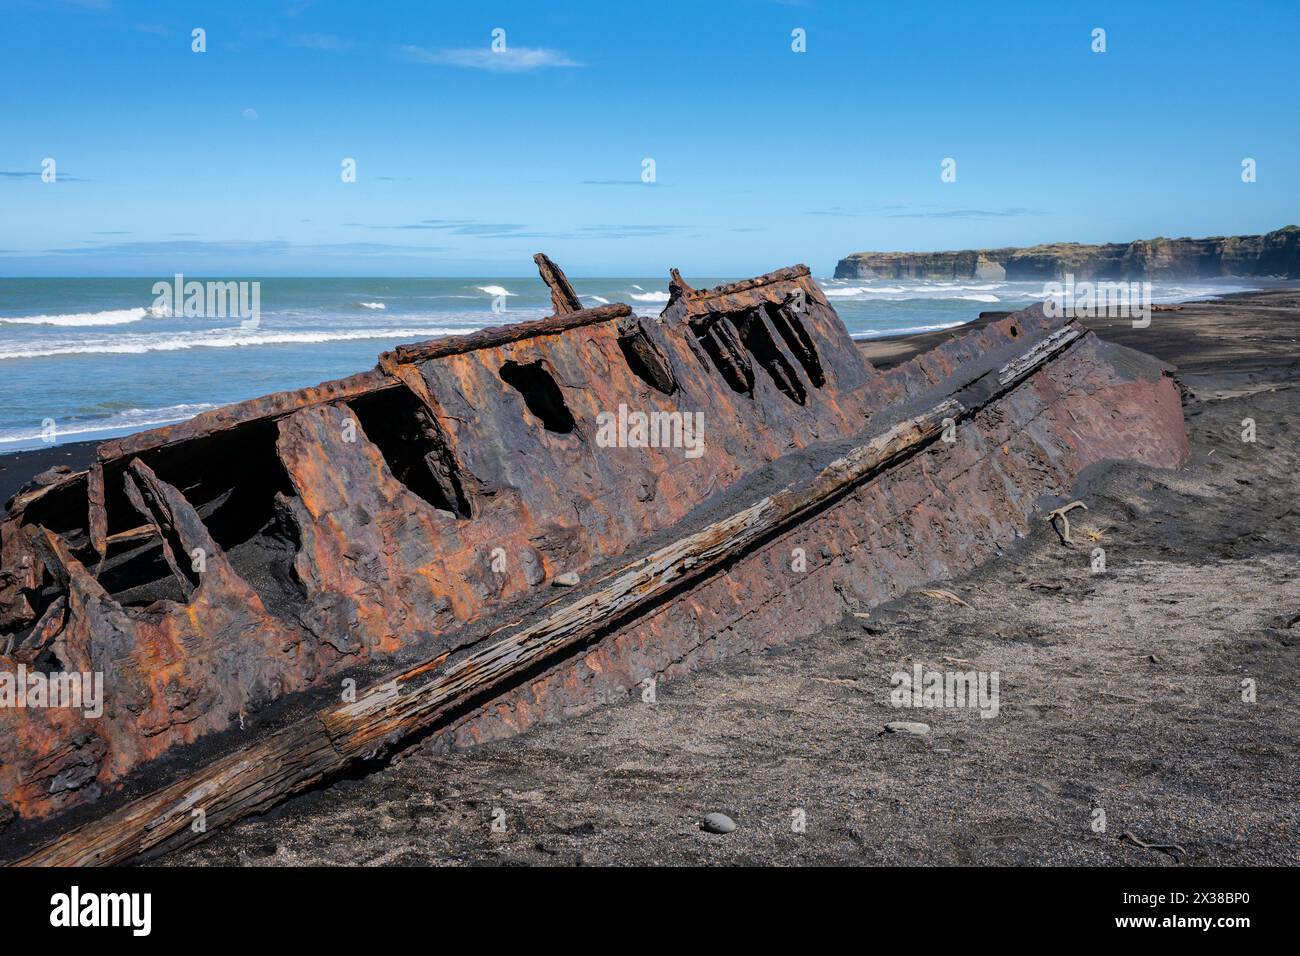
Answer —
109 317
129 344
833 293
131 418
907 330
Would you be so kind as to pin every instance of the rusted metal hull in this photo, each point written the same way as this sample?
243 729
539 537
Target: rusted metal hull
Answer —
411 513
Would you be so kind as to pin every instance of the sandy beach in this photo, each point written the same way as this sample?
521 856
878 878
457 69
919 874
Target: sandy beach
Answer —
1123 735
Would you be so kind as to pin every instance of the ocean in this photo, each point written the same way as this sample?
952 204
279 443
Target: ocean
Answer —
88 359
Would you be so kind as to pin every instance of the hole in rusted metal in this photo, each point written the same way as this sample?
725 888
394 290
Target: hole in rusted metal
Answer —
718 338
412 444
647 362
63 511
787 322
136 575
238 486
758 340
540 394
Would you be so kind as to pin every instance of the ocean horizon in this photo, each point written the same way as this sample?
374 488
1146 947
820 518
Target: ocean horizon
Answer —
104 357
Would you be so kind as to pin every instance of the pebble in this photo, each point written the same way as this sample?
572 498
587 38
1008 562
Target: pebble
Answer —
907 727
534 571
717 823
566 580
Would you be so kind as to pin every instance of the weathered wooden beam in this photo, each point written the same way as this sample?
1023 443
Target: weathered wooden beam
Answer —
300 755
563 299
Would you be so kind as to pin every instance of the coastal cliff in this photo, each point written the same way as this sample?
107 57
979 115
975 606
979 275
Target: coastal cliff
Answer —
1273 254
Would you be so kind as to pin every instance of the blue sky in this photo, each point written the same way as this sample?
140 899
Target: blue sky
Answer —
228 162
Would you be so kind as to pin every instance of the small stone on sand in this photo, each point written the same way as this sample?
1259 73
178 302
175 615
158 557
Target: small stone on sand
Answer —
907 727
717 823
566 580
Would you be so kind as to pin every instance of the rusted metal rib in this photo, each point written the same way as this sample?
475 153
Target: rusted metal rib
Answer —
500 335
563 299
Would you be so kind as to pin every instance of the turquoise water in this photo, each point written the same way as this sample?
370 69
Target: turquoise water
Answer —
99 357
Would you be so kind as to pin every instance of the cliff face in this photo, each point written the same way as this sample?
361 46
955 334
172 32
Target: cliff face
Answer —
1274 254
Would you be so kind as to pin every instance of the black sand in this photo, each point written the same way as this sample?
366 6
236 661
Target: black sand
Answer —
18 468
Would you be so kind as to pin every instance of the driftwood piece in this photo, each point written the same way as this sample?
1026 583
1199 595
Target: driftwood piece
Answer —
563 299
1061 515
294 758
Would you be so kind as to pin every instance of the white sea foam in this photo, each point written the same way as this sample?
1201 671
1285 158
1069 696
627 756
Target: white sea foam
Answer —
372 305
130 418
494 289
907 330
601 300
649 296
139 344
108 317
833 293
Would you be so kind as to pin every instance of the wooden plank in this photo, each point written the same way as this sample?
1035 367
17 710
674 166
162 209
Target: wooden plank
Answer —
288 761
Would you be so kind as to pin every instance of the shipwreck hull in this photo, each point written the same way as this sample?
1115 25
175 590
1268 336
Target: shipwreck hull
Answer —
402 528
935 516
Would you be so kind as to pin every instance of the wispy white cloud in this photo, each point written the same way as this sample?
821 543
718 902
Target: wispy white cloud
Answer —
924 212
321 41
196 247
474 229
1007 213
519 59
37 174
